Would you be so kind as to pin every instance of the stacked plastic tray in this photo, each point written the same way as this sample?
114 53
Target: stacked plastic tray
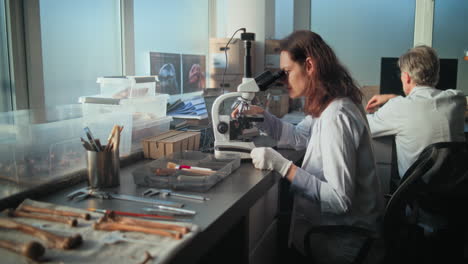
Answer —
141 117
40 144
145 176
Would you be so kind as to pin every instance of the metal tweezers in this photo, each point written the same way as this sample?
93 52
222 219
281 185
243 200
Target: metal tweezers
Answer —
165 192
85 193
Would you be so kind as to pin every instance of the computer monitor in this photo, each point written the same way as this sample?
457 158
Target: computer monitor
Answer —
390 82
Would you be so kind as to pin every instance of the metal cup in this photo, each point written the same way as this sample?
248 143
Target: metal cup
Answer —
103 169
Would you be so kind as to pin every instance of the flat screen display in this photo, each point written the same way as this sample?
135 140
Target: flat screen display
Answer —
390 82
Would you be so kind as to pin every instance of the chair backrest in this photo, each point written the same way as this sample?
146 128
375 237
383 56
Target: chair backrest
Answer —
429 208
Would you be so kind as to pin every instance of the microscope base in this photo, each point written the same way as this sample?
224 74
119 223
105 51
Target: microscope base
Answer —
240 148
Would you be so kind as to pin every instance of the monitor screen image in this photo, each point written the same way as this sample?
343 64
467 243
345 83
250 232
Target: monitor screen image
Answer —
390 82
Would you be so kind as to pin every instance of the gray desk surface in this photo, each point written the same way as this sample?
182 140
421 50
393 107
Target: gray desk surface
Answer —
230 200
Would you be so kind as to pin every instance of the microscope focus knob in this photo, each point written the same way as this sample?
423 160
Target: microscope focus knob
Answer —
223 127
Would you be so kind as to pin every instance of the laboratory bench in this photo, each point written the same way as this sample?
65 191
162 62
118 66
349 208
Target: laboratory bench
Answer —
239 223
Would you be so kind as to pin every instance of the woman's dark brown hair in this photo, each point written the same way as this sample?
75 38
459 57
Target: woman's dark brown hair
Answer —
330 80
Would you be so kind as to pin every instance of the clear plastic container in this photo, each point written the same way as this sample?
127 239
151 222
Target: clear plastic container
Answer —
101 119
142 108
8 162
154 106
148 128
141 118
183 180
29 141
122 87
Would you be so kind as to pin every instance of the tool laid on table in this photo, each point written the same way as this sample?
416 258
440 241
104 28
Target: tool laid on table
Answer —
52 240
85 193
165 192
169 210
104 211
146 200
32 249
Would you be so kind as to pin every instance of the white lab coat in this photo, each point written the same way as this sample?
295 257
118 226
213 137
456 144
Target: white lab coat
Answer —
337 182
427 115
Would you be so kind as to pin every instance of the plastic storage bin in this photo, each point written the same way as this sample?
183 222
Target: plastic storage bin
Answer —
148 128
122 87
154 106
182 180
41 144
101 119
141 117
142 108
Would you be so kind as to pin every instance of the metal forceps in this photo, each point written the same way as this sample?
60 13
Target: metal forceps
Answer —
84 193
165 192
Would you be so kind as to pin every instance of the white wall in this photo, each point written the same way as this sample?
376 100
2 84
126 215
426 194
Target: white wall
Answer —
250 15
180 26
450 36
363 31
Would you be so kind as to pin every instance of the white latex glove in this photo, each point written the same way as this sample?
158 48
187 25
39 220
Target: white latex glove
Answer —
269 159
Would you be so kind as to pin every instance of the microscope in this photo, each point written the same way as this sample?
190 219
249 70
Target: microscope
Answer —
235 136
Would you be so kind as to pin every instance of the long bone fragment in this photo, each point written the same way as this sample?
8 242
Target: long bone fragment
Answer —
52 240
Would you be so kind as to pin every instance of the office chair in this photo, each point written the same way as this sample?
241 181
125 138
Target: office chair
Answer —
426 218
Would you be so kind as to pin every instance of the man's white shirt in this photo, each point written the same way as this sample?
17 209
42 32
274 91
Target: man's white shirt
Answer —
427 115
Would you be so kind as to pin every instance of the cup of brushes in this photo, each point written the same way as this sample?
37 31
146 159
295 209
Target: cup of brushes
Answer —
103 163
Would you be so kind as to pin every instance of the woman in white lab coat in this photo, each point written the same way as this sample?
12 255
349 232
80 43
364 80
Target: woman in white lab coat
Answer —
336 183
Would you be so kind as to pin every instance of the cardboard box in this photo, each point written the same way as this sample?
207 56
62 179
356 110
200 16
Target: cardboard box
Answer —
235 63
230 82
367 92
272 54
170 142
235 54
278 105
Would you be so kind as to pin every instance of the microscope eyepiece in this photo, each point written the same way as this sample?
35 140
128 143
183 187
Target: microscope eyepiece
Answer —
266 78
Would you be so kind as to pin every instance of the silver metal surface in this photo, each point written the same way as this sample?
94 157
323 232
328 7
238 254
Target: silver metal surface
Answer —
103 168
165 192
84 193
162 208
241 105
150 192
155 202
